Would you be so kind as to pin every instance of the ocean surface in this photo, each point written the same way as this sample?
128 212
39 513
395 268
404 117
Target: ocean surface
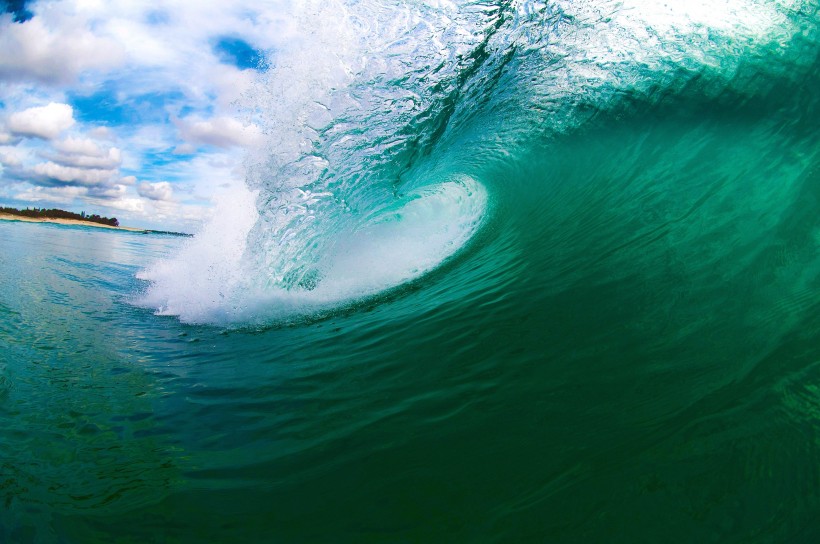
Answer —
503 272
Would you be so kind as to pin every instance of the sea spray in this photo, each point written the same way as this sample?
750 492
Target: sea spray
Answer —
203 282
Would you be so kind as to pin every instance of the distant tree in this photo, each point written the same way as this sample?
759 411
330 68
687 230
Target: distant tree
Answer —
60 214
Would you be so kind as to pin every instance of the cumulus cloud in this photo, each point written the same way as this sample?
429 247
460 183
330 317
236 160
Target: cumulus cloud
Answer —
8 139
101 133
10 158
45 122
185 149
49 173
116 191
111 159
71 162
160 191
221 132
126 204
52 53
59 195
107 60
81 146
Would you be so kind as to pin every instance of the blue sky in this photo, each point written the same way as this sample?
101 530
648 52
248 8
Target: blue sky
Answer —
127 109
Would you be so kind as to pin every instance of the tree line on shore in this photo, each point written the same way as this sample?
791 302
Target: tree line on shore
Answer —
54 213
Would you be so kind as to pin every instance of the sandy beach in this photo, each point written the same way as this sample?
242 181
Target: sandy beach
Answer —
9 217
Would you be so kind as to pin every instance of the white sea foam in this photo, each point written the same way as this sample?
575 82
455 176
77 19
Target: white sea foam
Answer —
405 240
210 281
202 281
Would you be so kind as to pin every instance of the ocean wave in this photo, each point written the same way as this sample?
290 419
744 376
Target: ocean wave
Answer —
375 106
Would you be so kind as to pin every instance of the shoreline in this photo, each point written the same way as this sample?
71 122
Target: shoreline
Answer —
10 217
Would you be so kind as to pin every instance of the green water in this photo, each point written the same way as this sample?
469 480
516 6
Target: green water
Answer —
627 350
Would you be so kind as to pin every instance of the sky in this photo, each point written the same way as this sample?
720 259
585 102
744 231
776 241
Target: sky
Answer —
130 109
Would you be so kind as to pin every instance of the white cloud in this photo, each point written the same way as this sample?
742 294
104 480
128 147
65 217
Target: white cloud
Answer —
45 122
53 49
155 191
146 140
60 195
113 192
81 146
110 160
230 84
126 204
10 158
128 58
102 133
8 139
219 132
185 149
49 171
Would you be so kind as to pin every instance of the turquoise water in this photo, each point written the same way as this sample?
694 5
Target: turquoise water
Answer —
569 298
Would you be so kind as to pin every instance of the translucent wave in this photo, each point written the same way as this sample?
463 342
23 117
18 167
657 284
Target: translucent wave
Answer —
377 111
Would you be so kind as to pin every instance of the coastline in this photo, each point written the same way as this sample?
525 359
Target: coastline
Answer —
10 217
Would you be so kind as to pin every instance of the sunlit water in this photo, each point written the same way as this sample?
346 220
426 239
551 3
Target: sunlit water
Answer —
570 293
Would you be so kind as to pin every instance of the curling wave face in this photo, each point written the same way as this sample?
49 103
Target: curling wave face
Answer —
388 124
397 244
